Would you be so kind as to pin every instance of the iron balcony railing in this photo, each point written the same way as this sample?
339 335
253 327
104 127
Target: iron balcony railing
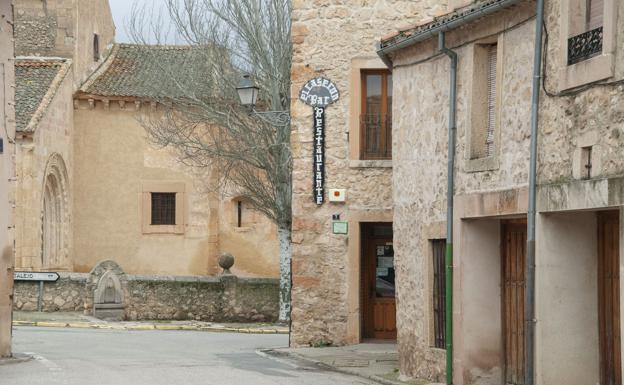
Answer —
376 135
584 46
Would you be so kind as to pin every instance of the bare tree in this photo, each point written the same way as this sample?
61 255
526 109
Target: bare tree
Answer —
200 115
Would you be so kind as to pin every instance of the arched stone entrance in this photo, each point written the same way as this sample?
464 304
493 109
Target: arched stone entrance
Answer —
55 214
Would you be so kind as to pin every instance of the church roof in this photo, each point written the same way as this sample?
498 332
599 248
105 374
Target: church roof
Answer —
36 81
141 71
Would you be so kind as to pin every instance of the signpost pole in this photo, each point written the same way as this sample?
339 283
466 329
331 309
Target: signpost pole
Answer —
40 299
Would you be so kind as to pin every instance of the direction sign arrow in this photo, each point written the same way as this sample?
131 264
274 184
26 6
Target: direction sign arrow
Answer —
35 276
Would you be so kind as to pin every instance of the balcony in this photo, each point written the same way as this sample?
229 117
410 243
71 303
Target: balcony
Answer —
376 131
585 46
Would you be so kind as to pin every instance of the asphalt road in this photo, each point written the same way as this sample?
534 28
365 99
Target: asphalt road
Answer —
107 357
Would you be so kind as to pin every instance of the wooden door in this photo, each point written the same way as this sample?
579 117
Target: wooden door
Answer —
514 283
609 298
377 292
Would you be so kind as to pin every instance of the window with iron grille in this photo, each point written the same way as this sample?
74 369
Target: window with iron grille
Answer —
163 208
439 292
376 118
589 43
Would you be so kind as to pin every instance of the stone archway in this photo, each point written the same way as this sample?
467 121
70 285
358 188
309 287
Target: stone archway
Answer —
55 214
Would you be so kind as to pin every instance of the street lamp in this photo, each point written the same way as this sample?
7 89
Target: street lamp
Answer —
247 92
248 95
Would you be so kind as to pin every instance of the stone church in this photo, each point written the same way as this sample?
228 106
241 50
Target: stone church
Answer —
90 186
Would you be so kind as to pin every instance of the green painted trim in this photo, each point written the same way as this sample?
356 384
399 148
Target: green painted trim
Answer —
449 312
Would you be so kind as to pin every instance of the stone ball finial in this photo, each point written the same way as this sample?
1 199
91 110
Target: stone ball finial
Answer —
226 261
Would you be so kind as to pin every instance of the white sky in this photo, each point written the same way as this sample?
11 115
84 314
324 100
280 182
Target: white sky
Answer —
121 10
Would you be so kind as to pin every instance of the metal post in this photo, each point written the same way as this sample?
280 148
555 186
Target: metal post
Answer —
449 208
530 260
40 299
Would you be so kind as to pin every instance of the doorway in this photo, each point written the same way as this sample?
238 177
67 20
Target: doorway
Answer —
609 297
377 287
514 236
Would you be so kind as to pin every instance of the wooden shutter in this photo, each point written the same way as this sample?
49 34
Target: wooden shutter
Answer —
595 13
491 99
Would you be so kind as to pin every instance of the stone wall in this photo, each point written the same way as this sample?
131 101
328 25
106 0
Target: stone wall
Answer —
569 120
66 294
113 171
421 97
335 39
217 299
52 139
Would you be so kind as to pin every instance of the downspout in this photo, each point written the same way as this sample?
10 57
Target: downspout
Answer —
530 260
450 188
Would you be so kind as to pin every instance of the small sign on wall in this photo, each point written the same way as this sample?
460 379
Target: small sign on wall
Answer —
340 227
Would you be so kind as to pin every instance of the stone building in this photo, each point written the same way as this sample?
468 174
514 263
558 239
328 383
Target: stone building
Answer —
579 192
7 135
91 187
343 274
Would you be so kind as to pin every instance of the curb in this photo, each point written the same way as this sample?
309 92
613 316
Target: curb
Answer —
276 354
143 327
16 359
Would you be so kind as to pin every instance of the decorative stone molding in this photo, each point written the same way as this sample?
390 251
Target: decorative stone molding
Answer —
55 214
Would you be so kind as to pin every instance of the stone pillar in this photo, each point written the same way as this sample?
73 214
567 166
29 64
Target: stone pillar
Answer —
7 177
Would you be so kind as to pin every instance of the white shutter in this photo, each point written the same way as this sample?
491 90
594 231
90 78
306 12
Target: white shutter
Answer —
491 100
595 13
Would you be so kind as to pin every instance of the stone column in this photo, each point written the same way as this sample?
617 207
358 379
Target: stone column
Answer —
7 177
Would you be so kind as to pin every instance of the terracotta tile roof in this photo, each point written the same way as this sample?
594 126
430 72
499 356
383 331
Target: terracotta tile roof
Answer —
36 83
431 23
141 71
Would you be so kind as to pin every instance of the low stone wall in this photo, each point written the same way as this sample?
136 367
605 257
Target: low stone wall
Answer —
218 299
66 294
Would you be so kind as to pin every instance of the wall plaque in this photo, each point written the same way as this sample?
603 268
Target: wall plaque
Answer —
319 93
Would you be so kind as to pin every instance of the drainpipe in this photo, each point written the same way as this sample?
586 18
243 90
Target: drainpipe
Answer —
530 260
450 188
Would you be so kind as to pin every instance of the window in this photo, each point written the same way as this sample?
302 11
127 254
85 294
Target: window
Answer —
588 37
376 115
483 141
439 292
163 208
96 47
594 14
491 99
239 213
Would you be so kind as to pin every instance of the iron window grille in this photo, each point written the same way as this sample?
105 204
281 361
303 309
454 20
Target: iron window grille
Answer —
163 208
585 46
439 292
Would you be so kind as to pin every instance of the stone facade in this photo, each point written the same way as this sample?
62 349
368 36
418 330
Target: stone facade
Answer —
335 39
214 299
492 191
86 170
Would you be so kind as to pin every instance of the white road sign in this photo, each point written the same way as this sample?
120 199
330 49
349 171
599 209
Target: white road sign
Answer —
35 276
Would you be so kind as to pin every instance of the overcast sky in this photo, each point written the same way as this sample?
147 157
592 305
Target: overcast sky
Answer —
121 10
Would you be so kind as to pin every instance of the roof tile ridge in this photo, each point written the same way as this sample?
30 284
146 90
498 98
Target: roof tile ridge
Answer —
101 70
48 97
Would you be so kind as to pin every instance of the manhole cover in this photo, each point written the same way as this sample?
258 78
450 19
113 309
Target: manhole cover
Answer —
349 362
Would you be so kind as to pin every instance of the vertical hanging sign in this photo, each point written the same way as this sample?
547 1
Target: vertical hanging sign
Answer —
319 93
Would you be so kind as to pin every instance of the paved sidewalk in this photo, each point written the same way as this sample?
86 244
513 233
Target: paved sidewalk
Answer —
375 361
79 320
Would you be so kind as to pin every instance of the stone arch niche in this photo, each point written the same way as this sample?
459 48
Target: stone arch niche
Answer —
108 290
55 215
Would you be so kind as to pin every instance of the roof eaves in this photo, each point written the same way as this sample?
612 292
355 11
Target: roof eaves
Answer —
419 33
65 65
